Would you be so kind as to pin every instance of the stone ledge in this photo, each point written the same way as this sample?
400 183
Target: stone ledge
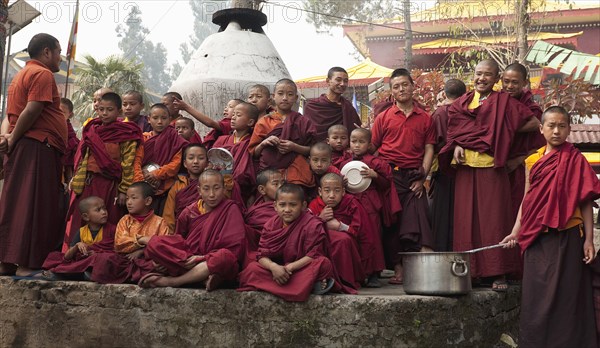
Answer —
82 314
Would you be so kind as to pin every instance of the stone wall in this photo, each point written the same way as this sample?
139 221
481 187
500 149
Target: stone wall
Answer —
80 314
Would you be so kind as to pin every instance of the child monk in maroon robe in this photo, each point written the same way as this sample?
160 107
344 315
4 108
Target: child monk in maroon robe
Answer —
243 119
185 190
208 245
379 200
185 127
163 148
260 96
292 257
282 139
68 159
332 108
127 262
514 81
320 164
351 235
262 210
482 126
337 138
218 128
97 236
104 163
555 233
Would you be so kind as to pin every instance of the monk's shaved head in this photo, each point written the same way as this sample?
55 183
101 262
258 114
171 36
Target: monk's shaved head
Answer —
86 204
362 132
210 173
491 63
332 177
102 91
518 67
557 109
284 82
294 189
321 147
454 89
263 177
262 88
337 128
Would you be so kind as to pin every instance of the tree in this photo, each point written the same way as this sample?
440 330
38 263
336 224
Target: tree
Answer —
203 27
115 72
134 45
330 13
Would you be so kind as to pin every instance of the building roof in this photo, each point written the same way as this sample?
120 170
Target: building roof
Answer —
585 134
19 59
361 74
448 45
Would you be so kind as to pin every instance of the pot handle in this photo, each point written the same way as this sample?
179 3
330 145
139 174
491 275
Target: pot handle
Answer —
463 264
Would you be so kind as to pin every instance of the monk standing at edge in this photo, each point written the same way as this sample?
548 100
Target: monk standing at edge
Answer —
332 108
30 219
482 126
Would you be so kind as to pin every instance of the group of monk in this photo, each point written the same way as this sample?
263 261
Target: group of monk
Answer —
138 199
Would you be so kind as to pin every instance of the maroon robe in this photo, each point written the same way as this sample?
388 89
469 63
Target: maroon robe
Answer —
161 148
218 236
478 220
213 135
313 192
243 167
105 184
325 113
353 251
186 196
339 158
68 158
305 236
524 144
295 128
256 216
559 182
195 139
56 262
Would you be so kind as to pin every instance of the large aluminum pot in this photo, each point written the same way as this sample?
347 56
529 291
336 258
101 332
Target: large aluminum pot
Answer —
436 273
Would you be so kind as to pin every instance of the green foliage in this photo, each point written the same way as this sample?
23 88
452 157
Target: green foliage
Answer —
324 14
135 46
116 73
580 98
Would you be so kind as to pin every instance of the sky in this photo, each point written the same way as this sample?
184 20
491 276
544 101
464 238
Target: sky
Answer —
305 52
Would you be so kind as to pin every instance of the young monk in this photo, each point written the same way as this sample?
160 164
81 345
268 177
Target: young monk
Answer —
218 128
185 189
127 263
514 82
555 232
267 181
133 105
260 96
332 108
482 125
282 139
96 101
168 100
351 235
186 129
292 257
162 147
104 163
208 245
337 138
243 118
404 138
442 185
68 159
320 164
380 200
96 236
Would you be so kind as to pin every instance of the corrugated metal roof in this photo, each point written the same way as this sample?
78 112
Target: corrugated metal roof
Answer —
584 134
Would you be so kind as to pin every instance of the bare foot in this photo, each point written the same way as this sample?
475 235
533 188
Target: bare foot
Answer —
213 282
154 280
25 271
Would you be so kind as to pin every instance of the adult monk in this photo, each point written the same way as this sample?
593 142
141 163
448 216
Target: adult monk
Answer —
332 108
555 231
30 217
404 136
482 126
514 81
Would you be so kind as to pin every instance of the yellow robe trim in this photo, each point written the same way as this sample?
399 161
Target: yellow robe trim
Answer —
85 234
201 207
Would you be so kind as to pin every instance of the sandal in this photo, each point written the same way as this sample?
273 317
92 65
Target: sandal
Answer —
499 285
318 288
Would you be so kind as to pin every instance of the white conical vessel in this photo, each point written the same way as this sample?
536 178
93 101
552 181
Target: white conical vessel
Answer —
229 62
